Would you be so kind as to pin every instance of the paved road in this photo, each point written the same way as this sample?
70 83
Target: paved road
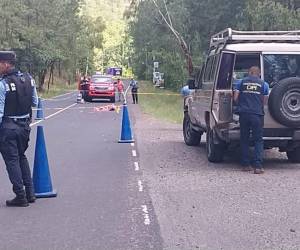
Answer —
101 203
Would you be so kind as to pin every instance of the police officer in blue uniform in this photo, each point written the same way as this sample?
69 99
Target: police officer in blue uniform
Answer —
250 94
17 95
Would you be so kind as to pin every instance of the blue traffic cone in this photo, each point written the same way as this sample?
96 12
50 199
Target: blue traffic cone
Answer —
126 136
40 111
41 174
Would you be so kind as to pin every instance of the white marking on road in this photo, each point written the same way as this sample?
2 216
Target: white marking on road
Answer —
146 215
56 113
141 188
132 144
136 166
134 153
32 124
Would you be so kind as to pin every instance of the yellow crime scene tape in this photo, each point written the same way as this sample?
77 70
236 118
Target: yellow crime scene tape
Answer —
110 107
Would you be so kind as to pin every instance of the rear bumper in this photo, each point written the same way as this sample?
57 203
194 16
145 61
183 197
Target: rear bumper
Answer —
269 135
99 94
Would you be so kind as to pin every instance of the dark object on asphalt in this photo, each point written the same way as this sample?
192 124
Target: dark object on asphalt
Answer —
247 168
18 201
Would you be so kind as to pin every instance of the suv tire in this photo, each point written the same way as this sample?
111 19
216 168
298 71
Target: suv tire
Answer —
284 102
294 155
215 152
191 137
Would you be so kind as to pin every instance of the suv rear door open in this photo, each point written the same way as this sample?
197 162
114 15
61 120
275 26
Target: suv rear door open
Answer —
222 97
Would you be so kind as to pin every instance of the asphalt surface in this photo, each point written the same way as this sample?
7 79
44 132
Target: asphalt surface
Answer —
101 202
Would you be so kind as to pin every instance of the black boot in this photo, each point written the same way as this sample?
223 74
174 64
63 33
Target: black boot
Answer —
30 195
18 201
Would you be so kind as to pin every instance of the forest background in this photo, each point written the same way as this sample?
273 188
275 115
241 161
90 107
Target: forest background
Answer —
59 40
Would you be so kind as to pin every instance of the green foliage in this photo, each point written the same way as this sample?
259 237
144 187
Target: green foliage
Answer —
116 45
48 34
196 21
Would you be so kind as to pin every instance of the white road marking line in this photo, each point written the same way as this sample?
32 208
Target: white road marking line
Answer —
146 215
32 124
136 166
56 113
132 144
141 188
134 153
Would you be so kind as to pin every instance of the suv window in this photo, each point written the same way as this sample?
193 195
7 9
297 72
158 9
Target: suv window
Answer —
243 63
280 66
198 78
225 71
208 69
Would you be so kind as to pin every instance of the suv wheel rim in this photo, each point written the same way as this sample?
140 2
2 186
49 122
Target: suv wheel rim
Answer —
291 103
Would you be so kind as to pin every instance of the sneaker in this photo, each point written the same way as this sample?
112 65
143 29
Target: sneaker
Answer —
259 171
17 202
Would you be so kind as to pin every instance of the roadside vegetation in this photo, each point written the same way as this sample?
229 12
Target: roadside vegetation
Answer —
195 22
58 41
161 103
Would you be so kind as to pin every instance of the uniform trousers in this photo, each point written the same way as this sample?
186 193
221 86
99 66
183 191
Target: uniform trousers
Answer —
14 138
251 124
134 96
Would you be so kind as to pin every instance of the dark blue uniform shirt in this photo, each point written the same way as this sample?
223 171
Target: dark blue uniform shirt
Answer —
252 90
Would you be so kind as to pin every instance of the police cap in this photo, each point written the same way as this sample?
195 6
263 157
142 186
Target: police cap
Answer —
9 56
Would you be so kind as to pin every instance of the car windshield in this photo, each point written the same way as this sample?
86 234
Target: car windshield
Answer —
101 79
280 66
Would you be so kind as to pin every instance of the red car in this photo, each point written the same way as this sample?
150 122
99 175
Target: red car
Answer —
100 87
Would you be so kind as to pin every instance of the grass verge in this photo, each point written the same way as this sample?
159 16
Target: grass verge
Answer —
162 104
57 89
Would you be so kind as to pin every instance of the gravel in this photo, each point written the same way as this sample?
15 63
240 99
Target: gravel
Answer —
201 205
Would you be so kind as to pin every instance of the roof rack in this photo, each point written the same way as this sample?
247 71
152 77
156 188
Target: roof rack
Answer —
233 36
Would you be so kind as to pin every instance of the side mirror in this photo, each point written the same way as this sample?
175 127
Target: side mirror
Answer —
191 83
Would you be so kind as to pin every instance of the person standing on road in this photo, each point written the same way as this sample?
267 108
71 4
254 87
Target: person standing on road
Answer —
120 88
17 95
251 94
134 90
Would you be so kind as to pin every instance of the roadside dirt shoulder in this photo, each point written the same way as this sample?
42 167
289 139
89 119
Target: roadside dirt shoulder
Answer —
200 205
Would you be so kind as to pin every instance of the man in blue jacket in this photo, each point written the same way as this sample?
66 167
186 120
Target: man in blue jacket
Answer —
17 95
251 94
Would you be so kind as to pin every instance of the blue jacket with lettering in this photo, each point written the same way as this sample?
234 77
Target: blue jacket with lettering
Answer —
251 99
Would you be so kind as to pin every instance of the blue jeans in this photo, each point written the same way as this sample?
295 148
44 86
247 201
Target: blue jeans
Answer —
253 123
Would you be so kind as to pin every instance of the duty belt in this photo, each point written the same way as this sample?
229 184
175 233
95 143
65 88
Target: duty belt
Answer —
16 119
